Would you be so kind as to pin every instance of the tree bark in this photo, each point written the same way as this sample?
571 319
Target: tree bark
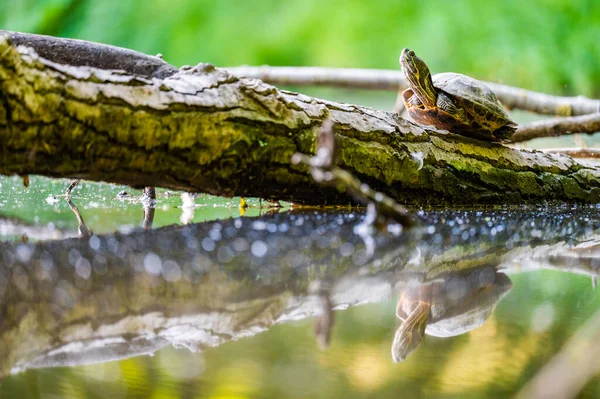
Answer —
202 129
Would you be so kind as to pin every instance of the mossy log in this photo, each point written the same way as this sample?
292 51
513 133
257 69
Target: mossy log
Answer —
143 122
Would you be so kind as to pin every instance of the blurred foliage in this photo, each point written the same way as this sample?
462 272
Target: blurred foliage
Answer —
546 45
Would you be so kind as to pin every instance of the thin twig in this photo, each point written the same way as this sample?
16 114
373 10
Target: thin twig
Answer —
575 152
73 184
558 127
381 79
370 79
324 171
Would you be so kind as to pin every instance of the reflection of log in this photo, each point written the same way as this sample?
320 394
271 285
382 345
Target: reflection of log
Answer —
106 297
14 227
202 129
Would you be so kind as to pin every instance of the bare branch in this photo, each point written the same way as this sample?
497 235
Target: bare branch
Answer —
369 79
558 127
324 170
381 79
575 152
73 184
82 229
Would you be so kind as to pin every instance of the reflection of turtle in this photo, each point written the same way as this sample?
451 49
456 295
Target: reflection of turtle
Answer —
453 102
446 307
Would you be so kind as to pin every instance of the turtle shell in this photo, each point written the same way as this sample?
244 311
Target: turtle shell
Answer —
479 101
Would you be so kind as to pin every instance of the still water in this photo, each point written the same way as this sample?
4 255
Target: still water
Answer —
200 301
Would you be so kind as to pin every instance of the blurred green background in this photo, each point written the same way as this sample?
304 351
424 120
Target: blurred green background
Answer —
547 45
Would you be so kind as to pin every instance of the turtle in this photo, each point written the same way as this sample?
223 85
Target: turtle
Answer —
435 308
453 102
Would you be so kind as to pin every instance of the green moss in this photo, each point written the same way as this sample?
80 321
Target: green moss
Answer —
571 189
388 166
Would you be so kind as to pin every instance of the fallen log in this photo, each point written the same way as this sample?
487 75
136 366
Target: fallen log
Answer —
202 129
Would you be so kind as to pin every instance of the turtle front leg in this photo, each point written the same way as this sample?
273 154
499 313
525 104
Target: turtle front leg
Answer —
446 104
410 100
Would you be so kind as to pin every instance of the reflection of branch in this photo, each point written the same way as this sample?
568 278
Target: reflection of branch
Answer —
560 255
380 79
569 371
149 204
196 298
558 127
84 232
324 321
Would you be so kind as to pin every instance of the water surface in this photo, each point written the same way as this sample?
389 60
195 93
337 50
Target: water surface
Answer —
294 303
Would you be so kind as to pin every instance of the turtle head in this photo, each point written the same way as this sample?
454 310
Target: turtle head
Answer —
410 333
418 77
